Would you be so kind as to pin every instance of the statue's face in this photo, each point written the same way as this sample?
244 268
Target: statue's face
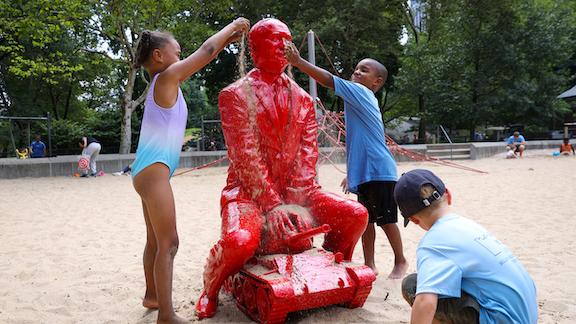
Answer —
267 45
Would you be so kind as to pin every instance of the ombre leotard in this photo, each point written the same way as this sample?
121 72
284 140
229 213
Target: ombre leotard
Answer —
161 133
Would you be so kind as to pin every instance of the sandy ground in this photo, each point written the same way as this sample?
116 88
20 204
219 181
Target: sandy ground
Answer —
71 248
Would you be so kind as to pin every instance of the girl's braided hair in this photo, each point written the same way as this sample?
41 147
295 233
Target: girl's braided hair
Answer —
149 41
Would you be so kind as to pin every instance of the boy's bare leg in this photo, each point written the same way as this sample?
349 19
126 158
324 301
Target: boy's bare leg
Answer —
154 187
368 239
400 264
150 299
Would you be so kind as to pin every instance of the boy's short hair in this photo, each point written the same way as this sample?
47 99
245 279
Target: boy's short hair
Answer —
426 191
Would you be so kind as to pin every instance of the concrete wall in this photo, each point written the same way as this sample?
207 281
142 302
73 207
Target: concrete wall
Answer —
482 150
66 165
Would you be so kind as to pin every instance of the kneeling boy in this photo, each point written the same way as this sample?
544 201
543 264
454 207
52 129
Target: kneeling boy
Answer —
465 275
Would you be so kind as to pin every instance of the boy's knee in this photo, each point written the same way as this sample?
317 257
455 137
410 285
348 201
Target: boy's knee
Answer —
409 288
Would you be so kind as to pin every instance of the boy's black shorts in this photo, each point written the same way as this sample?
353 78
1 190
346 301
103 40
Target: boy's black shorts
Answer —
378 198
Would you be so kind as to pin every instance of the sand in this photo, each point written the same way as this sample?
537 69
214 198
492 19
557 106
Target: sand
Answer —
71 248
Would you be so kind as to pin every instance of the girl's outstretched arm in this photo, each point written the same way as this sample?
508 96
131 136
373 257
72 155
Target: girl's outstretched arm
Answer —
182 70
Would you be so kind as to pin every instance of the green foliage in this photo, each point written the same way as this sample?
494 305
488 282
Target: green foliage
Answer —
476 63
65 135
489 62
30 33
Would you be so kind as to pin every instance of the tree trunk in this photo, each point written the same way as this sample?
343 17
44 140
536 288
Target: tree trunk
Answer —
422 126
68 97
126 130
128 107
54 101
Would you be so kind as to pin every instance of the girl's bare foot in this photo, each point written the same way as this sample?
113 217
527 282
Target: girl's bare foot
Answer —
151 303
174 319
373 267
399 271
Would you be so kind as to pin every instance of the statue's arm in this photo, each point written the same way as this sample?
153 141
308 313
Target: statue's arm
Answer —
242 143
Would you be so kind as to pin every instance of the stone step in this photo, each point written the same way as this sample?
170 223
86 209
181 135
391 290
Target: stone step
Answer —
447 146
447 151
454 157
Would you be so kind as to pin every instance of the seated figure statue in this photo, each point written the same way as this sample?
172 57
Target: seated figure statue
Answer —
270 128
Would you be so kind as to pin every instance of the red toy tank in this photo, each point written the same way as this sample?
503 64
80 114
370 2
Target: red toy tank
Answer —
271 286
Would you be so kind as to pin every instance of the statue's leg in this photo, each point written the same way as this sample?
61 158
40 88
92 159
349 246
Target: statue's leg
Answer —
241 226
347 218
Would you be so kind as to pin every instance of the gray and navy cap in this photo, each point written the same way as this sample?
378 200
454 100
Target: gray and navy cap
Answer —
407 192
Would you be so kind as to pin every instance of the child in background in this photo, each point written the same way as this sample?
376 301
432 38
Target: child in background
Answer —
90 148
158 153
566 147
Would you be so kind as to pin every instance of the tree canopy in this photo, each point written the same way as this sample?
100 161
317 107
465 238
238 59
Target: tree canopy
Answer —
459 63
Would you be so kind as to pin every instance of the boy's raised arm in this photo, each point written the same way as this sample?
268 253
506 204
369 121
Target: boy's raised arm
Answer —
322 76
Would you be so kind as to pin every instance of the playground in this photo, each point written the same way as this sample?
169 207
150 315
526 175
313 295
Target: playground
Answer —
72 250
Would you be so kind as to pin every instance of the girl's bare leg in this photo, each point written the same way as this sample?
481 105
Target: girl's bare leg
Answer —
154 187
150 250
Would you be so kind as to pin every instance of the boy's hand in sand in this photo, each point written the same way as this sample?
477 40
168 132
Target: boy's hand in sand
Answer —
291 52
240 26
344 185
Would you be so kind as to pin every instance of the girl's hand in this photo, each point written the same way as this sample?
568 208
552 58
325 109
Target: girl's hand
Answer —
240 26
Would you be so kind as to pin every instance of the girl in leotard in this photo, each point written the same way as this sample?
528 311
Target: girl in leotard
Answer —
159 147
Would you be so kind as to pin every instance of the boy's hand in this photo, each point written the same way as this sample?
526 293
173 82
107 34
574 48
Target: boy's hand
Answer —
344 185
291 52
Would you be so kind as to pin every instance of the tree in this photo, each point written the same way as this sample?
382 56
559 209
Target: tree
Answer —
40 59
119 24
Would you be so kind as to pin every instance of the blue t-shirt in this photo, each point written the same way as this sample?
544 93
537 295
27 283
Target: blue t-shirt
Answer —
38 149
367 156
458 254
520 139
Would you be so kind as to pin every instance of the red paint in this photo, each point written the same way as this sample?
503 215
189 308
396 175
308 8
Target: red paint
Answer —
270 128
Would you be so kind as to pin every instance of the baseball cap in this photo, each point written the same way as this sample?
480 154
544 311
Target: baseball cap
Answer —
407 192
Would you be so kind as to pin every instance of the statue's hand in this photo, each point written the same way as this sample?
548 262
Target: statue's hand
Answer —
281 221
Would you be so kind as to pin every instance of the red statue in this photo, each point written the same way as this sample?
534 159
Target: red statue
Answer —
270 128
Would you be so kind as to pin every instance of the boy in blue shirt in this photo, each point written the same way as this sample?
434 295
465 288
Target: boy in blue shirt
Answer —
516 143
465 275
371 168
37 147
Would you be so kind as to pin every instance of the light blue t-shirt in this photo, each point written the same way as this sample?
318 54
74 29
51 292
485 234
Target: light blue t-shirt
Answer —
520 139
367 156
458 254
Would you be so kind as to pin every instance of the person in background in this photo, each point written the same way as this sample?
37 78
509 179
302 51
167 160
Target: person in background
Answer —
90 148
516 144
37 148
566 148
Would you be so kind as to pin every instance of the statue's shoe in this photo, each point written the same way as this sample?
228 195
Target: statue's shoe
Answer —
205 306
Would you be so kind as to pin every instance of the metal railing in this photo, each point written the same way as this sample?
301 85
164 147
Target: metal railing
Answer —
449 141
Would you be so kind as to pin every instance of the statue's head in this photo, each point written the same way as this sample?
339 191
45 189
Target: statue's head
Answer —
267 45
